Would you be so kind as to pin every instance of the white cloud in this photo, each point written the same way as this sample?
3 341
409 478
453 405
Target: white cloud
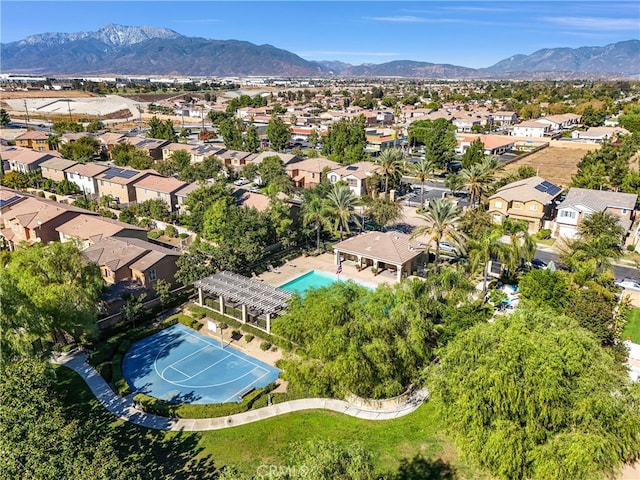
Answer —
399 19
594 23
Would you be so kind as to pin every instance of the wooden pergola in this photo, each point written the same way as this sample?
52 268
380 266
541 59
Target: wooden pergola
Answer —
252 295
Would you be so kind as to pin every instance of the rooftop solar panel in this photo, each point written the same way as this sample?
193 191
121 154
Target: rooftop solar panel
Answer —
553 190
351 167
120 173
540 188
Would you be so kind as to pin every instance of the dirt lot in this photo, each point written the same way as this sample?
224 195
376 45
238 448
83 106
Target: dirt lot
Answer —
46 94
554 163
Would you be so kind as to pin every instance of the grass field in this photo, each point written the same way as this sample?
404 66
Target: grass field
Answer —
175 455
632 327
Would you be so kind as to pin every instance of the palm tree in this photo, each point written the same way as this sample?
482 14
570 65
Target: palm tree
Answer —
442 218
478 176
392 163
423 171
481 250
522 246
316 213
341 201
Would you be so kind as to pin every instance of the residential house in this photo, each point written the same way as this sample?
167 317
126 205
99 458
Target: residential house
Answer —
67 138
151 146
531 128
54 168
124 259
170 148
377 141
236 159
309 173
109 140
181 196
531 200
118 182
286 158
493 144
85 176
503 118
24 160
354 175
197 152
465 122
153 187
34 140
86 230
9 197
599 134
35 220
582 202
560 122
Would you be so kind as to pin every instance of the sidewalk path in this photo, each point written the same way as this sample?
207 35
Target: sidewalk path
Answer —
122 407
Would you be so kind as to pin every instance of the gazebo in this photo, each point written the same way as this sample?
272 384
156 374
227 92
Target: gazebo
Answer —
254 297
380 250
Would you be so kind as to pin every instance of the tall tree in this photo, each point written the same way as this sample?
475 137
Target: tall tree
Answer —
479 176
392 164
423 170
474 154
383 210
5 119
316 214
533 395
40 440
345 141
438 138
522 246
342 202
442 218
124 154
278 133
59 288
485 247
162 130
82 150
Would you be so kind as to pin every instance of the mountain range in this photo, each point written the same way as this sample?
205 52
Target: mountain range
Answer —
127 50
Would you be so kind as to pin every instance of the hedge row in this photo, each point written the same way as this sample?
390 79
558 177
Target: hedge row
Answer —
201 312
163 408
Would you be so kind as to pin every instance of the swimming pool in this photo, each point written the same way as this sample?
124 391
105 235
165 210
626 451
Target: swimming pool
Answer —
312 279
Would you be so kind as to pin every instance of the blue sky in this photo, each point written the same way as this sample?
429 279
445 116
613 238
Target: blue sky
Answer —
466 33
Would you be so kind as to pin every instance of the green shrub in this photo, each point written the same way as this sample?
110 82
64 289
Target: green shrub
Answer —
631 247
183 236
53 197
40 194
248 338
124 346
154 234
235 333
169 322
188 321
265 346
170 231
223 325
105 371
184 410
120 385
544 234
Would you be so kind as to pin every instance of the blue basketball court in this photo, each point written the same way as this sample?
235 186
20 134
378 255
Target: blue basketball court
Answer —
179 365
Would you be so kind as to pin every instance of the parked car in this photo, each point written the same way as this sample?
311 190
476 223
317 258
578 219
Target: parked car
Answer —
539 264
241 181
447 247
629 284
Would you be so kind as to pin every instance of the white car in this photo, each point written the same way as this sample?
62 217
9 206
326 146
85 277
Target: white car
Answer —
241 181
629 284
447 247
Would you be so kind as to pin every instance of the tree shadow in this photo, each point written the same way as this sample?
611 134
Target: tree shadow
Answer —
420 468
153 453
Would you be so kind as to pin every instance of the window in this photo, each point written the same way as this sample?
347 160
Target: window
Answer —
533 207
102 183
517 204
313 175
153 275
498 204
625 211
568 214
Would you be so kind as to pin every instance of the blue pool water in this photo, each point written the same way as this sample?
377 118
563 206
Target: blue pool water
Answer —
180 365
309 280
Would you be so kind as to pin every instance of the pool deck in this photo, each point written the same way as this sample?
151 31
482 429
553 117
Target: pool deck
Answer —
325 263
125 409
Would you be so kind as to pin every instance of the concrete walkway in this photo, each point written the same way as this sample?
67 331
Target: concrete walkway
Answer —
123 407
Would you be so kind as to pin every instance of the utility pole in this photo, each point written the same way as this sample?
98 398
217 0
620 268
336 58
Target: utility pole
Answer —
69 108
27 111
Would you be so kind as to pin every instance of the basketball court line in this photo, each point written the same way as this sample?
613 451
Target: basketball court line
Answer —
205 339
237 394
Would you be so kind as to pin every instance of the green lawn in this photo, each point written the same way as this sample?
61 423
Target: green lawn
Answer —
632 327
173 455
